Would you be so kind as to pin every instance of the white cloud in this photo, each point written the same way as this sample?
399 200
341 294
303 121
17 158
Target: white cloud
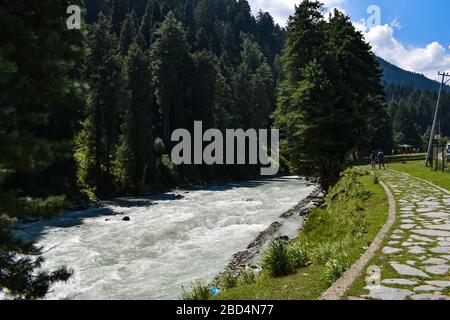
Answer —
427 60
282 9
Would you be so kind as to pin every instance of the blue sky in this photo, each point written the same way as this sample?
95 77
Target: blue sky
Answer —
421 21
413 34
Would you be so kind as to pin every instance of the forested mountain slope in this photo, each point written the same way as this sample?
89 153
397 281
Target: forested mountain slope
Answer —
396 75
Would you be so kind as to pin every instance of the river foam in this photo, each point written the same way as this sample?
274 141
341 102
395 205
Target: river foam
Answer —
167 244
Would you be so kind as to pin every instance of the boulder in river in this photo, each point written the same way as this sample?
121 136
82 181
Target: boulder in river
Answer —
283 238
82 205
29 220
126 219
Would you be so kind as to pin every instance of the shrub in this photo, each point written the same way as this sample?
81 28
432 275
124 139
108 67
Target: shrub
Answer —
375 178
199 291
335 268
228 280
276 259
43 207
325 252
247 277
282 259
298 256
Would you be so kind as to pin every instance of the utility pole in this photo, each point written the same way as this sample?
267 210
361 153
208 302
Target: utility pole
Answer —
433 129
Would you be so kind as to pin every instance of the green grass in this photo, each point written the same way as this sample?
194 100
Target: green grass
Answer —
380 260
406 157
418 169
199 291
334 236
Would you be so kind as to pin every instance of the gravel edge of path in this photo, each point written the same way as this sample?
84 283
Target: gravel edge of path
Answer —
338 289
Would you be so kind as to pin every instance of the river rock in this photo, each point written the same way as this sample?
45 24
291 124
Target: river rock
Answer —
82 205
283 238
29 221
126 219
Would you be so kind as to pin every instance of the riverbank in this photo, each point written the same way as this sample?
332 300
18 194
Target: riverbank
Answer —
249 257
334 236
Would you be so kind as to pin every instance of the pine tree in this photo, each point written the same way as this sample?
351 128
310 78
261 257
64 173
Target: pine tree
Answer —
127 34
304 40
172 69
204 86
267 35
150 21
98 139
319 109
188 20
205 25
253 86
134 158
138 6
120 9
244 21
165 10
356 69
223 103
405 130
201 40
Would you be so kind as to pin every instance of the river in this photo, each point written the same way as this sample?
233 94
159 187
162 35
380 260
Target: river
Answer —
169 241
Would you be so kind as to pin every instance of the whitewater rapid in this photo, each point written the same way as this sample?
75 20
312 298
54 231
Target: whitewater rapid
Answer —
169 241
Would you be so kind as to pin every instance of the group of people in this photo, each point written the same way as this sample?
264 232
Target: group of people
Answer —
377 158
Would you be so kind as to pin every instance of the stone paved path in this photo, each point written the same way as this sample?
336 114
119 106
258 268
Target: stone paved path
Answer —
415 260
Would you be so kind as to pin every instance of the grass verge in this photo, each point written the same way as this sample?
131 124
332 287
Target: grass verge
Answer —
418 169
333 238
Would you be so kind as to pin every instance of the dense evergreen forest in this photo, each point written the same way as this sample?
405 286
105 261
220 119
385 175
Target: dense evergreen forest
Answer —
412 112
186 61
89 113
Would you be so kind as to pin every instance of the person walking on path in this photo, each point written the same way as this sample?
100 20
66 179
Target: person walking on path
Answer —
373 160
381 160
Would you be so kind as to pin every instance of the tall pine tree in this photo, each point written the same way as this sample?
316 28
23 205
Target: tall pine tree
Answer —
134 157
323 106
127 34
98 139
120 9
172 71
